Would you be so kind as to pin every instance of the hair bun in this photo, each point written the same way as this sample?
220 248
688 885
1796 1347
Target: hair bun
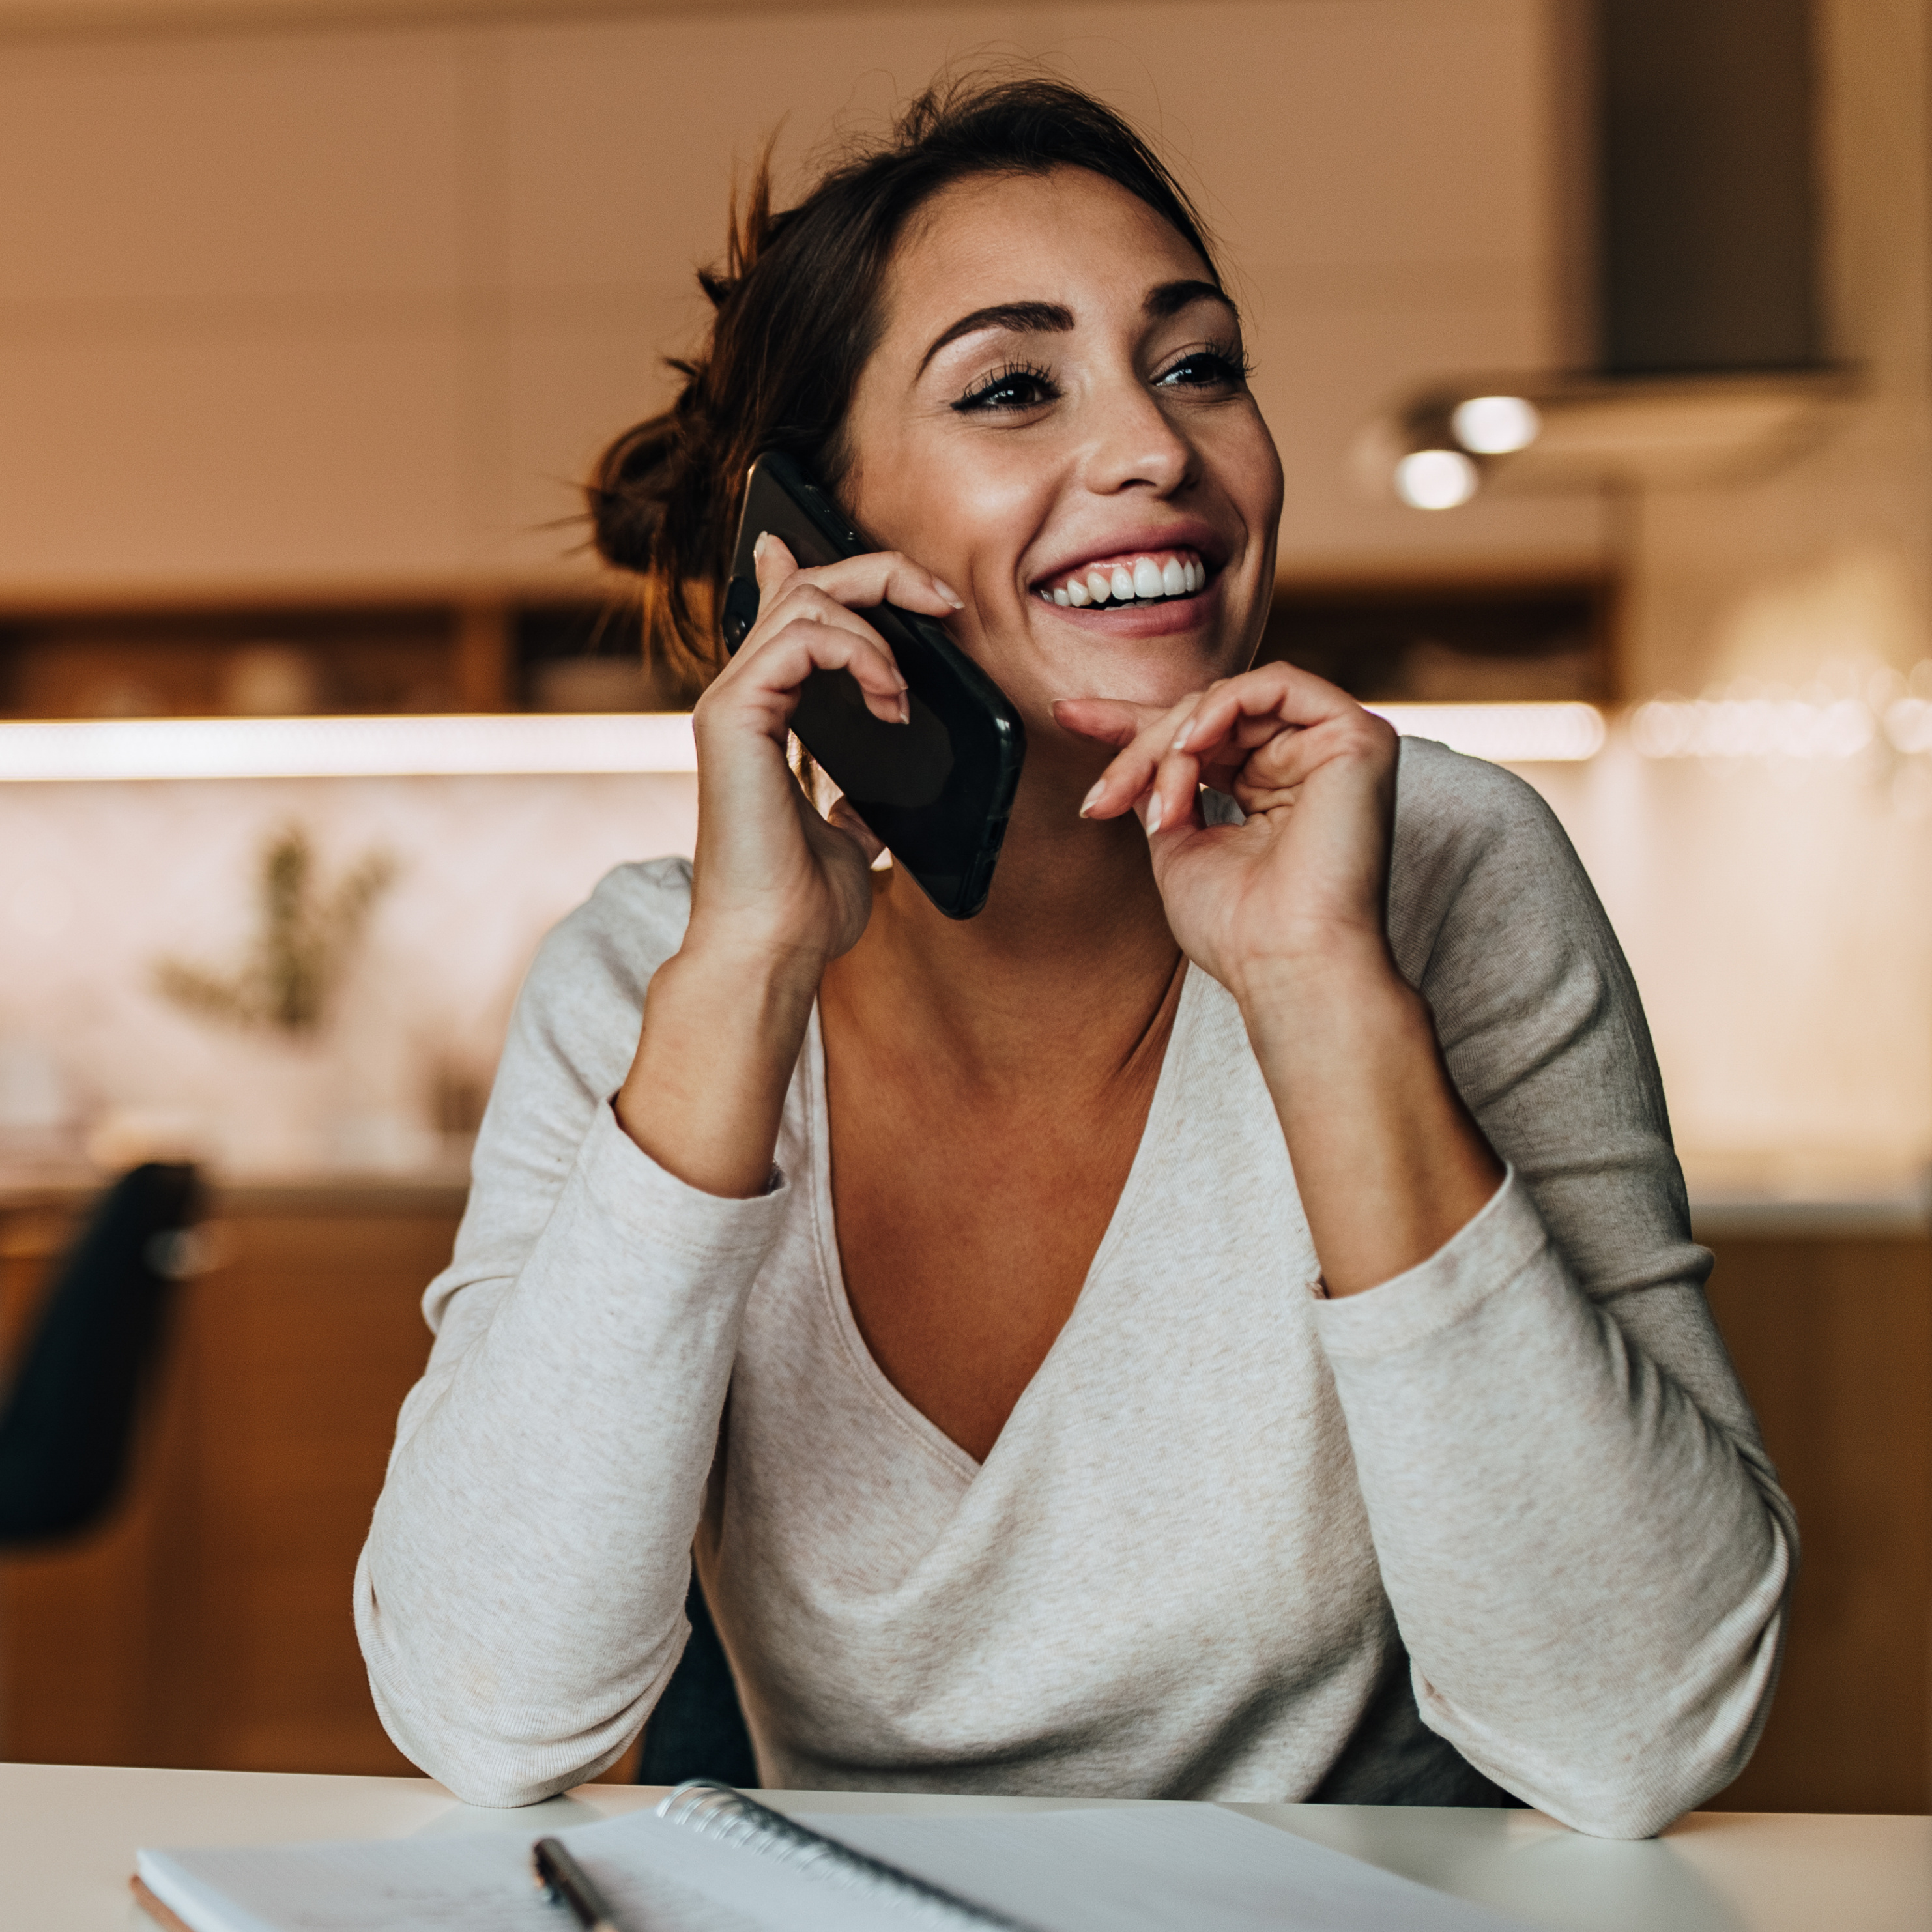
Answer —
628 490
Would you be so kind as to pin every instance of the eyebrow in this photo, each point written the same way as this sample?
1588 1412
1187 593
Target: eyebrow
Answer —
1171 298
1025 318
1029 318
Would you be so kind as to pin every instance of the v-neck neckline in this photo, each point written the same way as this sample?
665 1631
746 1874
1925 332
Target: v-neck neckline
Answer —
885 1392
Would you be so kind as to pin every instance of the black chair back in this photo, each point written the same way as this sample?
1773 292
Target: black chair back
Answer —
67 1423
697 1729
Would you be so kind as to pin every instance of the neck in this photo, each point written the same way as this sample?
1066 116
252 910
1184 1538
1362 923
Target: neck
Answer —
1071 967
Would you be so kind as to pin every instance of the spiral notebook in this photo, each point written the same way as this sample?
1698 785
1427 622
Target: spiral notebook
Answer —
710 1859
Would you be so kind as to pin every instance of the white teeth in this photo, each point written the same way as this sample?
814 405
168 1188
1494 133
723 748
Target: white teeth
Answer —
1124 582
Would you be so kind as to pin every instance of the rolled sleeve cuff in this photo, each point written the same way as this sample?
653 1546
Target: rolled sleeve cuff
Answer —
624 1184
1481 1259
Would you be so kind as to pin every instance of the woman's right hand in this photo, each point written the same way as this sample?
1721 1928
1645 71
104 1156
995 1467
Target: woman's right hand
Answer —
769 871
777 891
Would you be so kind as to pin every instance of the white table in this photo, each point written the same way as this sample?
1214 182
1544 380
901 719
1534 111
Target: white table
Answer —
68 1835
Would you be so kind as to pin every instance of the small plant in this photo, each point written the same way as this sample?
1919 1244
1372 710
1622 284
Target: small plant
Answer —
303 940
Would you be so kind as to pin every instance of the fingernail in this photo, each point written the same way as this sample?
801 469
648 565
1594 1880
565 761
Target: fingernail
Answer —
758 548
1092 798
1153 815
1181 737
905 710
951 596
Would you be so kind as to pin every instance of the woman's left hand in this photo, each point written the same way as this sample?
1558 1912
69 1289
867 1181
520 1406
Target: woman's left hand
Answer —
1289 912
1303 884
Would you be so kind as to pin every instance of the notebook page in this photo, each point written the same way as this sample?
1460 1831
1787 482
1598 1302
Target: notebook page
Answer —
653 1874
477 1883
625 1855
1154 1867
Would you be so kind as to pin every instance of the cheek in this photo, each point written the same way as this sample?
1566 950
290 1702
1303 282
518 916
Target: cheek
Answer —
980 513
968 516
1248 466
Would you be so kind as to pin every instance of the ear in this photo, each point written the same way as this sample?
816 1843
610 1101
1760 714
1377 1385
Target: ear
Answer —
1108 720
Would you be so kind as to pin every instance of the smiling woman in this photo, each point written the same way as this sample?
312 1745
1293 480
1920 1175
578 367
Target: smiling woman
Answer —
1222 1322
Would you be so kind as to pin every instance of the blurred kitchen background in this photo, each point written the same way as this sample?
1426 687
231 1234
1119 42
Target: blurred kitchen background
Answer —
1596 335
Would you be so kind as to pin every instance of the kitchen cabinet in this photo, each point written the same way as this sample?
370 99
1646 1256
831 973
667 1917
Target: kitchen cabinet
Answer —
1831 1332
208 1623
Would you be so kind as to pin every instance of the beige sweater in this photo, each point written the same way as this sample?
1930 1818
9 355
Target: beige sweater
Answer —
1508 1511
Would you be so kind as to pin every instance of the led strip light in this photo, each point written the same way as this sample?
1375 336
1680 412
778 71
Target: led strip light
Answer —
35 750
518 743
1506 734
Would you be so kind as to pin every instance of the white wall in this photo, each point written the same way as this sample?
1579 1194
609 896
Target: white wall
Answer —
99 882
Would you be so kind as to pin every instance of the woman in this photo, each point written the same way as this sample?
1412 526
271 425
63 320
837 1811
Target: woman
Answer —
1222 1322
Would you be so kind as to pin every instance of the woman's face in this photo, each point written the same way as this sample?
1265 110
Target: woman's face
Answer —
1056 422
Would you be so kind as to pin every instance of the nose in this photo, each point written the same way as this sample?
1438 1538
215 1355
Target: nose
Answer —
1135 445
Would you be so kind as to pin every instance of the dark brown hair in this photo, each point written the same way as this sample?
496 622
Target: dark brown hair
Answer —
797 313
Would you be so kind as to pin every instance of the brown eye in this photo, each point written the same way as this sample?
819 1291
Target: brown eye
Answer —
1208 369
1019 385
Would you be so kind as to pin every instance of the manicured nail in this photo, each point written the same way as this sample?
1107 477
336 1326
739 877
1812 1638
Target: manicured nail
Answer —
1092 798
1181 736
758 548
951 596
905 710
1153 815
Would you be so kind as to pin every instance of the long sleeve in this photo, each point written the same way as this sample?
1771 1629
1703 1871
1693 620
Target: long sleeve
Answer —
520 1601
1586 1548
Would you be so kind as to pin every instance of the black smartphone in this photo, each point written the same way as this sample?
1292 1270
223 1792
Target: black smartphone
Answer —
937 790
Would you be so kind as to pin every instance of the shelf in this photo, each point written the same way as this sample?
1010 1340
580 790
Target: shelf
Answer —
300 657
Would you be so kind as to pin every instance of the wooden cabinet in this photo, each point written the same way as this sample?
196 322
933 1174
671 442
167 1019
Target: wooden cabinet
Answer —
208 1624
1833 1337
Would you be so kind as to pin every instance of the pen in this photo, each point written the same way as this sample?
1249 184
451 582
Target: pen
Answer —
561 1877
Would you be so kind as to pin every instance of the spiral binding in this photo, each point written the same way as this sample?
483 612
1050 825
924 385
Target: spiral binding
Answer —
724 1813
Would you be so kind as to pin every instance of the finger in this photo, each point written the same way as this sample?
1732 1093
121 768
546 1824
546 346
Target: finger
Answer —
1108 721
773 562
800 603
879 576
800 599
1278 692
1287 761
1273 706
1127 780
787 659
